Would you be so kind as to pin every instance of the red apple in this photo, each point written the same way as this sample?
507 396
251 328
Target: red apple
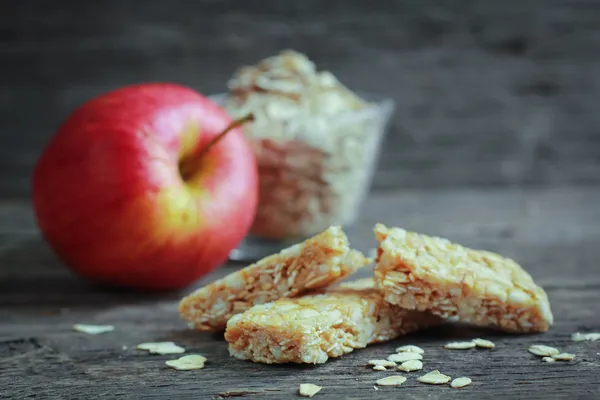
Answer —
128 193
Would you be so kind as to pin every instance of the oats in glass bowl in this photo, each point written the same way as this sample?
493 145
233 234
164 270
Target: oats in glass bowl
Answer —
316 144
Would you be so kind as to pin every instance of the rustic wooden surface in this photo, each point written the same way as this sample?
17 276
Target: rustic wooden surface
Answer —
554 233
489 92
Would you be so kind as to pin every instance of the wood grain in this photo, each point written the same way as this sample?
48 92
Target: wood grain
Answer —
554 233
488 93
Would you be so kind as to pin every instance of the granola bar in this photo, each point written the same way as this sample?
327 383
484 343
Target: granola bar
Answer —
312 328
420 272
316 263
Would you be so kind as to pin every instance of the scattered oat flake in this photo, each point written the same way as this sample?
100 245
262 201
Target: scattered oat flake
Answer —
411 365
434 378
542 350
309 389
486 344
383 363
379 368
93 329
548 359
460 345
461 382
151 345
375 387
402 357
161 348
394 380
563 357
582 337
186 363
168 350
410 349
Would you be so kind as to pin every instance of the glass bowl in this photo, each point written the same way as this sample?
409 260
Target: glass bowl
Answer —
311 180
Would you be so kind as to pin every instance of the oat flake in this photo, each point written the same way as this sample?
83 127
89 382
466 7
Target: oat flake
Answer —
93 329
383 363
411 365
161 348
402 357
394 380
459 345
563 357
410 349
542 350
434 378
309 389
582 337
461 382
186 363
486 344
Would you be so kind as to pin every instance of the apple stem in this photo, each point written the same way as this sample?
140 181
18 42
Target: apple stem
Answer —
188 166
229 128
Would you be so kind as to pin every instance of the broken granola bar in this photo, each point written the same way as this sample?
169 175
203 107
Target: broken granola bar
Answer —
316 263
424 273
313 328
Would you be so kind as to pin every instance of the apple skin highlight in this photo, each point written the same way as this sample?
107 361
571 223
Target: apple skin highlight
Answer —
110 200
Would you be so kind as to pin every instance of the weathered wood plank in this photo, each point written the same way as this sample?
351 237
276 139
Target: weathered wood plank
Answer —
488 93
553 232
54 360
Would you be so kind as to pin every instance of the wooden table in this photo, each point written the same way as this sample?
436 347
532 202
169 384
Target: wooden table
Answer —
554 233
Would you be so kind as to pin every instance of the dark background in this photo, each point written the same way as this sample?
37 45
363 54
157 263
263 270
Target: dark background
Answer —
489 92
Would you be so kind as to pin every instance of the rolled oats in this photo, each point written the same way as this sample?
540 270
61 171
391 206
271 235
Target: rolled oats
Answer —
420 272
434 378
411 365
548 359
406 356
187 363
486 344
459 345
410 349
581 337
383 363
313 328
542 350
394 380
460 382
315 141
316 263
563 357
309 389
161 348
93 329
379 368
